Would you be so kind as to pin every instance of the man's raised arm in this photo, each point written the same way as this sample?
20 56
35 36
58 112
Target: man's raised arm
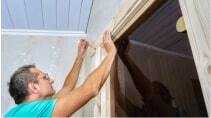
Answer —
70 103
72 76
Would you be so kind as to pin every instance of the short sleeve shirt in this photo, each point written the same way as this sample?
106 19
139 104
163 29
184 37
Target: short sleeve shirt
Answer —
38 108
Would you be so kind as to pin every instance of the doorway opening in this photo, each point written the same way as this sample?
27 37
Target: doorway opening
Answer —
155 73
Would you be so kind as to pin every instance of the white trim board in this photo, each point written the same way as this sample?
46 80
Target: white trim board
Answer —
43 32
196 20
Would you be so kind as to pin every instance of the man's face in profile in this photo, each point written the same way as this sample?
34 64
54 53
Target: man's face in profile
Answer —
44 82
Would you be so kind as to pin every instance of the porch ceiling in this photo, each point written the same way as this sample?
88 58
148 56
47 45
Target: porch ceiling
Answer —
46 14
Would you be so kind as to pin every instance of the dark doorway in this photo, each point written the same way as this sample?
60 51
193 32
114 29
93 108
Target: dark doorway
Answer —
155 74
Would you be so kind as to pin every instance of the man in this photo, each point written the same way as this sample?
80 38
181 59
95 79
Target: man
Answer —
32 89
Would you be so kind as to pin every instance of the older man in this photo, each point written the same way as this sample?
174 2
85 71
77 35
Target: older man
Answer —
35 97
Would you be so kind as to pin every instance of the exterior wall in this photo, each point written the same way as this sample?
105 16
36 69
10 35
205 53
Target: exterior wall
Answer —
101 15
54 54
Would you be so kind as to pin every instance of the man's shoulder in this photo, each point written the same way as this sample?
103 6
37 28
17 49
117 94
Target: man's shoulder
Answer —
42 107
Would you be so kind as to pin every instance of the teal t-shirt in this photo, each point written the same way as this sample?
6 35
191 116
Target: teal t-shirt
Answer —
38 108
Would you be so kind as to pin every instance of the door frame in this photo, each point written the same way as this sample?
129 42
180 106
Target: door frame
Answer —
196 22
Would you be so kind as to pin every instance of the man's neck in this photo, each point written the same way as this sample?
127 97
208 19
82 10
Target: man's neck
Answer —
35 97
31 98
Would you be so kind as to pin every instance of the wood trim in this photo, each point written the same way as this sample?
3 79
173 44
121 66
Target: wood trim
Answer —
132 13
196 17
43 32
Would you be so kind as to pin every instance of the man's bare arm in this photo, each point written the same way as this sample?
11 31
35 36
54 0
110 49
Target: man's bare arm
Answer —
72 76
80 96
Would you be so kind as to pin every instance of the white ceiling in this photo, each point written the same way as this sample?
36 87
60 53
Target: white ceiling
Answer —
46 14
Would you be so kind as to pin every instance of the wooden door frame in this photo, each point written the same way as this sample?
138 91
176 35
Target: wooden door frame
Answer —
196 17
124 22
197 29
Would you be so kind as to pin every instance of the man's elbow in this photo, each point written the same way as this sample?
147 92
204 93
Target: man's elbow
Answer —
91 90
95 91
96 87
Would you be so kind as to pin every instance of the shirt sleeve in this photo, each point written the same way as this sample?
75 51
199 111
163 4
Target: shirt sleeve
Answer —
44 108
39 108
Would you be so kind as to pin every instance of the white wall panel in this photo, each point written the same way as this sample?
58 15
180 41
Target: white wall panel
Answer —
46 14
34 13
49 13
6 18
17 11
197 23
101 15
62 14
75 6
84 16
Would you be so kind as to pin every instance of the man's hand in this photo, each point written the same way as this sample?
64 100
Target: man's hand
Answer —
108 43
82 47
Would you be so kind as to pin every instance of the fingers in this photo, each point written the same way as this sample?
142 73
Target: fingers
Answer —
107 37
83 43
82 47
108 43
104 36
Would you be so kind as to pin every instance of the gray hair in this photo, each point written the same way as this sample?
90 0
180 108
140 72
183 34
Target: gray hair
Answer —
18 85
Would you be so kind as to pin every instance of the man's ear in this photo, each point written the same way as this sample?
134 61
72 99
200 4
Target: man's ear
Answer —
33 87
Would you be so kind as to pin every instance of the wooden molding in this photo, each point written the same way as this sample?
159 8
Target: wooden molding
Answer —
133 12
43 32
129 13
196 19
